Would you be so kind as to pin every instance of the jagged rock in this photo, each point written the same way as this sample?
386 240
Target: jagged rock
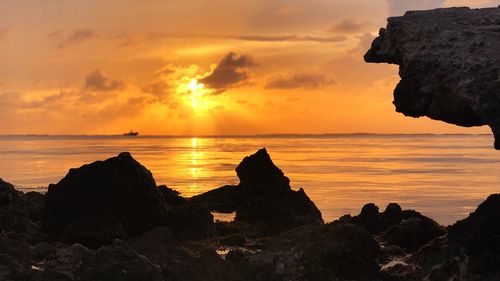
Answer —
449 65
184 262
327 252
119 186
259 169
7 192
470 251
263 198
413 233
172 197
478 237
407 229
20 214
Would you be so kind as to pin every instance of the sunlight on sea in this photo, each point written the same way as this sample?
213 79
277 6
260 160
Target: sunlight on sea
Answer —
443 176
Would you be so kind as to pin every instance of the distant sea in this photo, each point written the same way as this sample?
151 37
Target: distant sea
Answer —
442 176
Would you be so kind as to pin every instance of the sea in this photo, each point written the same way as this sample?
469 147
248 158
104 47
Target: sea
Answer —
444 177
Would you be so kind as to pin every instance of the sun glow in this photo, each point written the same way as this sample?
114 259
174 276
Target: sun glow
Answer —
197 91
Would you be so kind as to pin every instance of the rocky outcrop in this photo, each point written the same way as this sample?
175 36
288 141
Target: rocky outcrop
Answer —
315 253
449 65
406 229
118 198
263 198
118 189
278 234
470 250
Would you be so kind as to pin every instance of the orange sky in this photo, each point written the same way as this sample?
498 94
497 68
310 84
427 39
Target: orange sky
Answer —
201 67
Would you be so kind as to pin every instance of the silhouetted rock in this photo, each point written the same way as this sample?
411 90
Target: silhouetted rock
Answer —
407 229
190 222
316 253
7 192
120 263
185 261
258 168
20 214
413 233
478 238
470 251
449 65
119 186
94 231
263 198
172 197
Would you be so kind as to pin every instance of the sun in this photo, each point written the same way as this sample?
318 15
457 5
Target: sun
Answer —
197 90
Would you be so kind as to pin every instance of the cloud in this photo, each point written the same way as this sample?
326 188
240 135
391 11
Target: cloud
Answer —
290 38
97 81
230 72
348 26
131 40
299 80
399 7
158 88
76 37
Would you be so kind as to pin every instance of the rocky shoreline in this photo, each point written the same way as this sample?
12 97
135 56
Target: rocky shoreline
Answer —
108 220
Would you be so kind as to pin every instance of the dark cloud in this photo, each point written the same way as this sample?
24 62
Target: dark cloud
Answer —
97 81
74 38
158 88
231 71
349 26
399 7
299 80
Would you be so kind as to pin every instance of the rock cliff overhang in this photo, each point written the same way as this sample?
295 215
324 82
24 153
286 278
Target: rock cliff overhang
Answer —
449 65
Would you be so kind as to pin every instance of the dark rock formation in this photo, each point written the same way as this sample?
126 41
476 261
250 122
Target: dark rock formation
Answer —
477 239
407 229
259 169
449 65
277 235
7 192
118 189
327 252
470 251
263 198
188 221
20 214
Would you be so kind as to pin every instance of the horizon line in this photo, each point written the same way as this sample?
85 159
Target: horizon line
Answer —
247 135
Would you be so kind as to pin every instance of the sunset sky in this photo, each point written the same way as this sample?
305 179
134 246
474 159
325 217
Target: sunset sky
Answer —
198 67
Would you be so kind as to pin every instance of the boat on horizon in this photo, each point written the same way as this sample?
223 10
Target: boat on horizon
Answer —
131 134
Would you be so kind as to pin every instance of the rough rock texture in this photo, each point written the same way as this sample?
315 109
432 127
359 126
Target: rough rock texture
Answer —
263 198
470 251
314 253
119 189
406 229
449 65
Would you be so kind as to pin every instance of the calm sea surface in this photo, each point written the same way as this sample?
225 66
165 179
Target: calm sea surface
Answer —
443 176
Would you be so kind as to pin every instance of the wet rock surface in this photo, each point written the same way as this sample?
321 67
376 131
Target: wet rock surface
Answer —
449 66
277 235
